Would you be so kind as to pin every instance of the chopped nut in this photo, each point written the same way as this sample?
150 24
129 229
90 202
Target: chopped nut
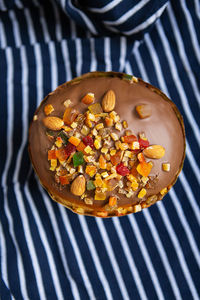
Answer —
99 126
114 136
35 118
135 146
128 154
91 117
104 150
118 126
94 132
166 167
67 103
85 130
70 115
143 110
74 125
137 208
123 146
142 193
163 191
107 156
88 201
104 174
80 169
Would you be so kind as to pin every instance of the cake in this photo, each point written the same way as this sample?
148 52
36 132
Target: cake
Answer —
107 144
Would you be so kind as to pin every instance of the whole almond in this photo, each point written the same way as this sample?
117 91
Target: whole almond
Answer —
78 186
108 102
53 123
154 151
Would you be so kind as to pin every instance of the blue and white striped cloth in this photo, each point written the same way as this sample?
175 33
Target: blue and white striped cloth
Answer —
47 252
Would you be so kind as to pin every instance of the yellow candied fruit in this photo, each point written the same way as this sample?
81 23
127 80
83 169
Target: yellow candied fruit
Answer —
142 193
128 154
48 109
134 185
109 122
102 214
74 125
123 146
66 128
113 152
95 108
104 150
104 174
88 123
114 136
99 196
166 167
67 103
91 170
58 142
97 144
91 117
135 146
163 191
125 124
88 149
85 130
99 126
53 164
137 208
118 126
131 178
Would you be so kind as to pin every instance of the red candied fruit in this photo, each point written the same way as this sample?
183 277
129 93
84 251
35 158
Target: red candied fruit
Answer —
143 143
88 141
64 153
70 148
122 170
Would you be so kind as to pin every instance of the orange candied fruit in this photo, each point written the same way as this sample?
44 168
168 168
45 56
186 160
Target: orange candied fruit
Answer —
91 170
129 138
112 201
81 147
48 109
141 158
63 180
88 98
116 158
74 141
61 154
102 162
144 168
52 154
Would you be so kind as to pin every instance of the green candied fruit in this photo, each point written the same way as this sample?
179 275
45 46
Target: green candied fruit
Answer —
90 185
78 159
128 77
63 137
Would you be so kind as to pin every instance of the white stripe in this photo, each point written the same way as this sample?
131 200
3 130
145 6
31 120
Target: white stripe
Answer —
185 225
174 73
128 14
193 163
39 77
123 49
162 254
191 29
73 29
10 101
56 230
57 21
130 260
94 255
53 64
146 257
44 241
113 260
79 60
18 4
4 271
2 5
181 50
93 65
19 198
2 36
77 253
47 37
147 23
178 250
197 8
190 196
107 53
16 31
65 53
147 216
87 21
105 8
30 26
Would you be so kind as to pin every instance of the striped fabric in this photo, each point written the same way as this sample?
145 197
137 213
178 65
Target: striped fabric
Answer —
47 252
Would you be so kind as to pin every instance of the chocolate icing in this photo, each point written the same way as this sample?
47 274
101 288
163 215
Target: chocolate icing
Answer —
164 127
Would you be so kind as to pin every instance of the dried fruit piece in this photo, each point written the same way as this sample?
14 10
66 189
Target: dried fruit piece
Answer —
52 154
63 137
88 141
67 103
74 141
141 158
78 159
129 138
95 108
154 151
143 143
108 102
53 123
70 115
88 98
166 167
91 170
109 121
102 162
143 110
142 193
64 180
122 170
112 201
81 147
116 158
99 195
48 109
144 168
78 186
90 185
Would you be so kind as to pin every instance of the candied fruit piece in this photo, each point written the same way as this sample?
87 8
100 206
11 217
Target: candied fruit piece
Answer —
144 168
95 108
81 147
100 196
52 154
78 159
143 143
102 162
91 170
129 138
88 98
112 201
63 180
88 141
90 185
74 140
116 158
48 109
63 137
122 170
143 111
141 158
70 115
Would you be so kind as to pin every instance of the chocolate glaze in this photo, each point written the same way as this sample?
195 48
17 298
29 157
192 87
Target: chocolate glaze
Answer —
164 127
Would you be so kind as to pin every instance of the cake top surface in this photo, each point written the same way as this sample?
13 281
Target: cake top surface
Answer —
104 143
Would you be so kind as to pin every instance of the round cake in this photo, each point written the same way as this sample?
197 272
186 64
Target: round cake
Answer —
107 144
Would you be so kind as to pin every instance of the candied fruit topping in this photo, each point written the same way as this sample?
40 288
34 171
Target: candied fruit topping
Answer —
122 169
88 141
